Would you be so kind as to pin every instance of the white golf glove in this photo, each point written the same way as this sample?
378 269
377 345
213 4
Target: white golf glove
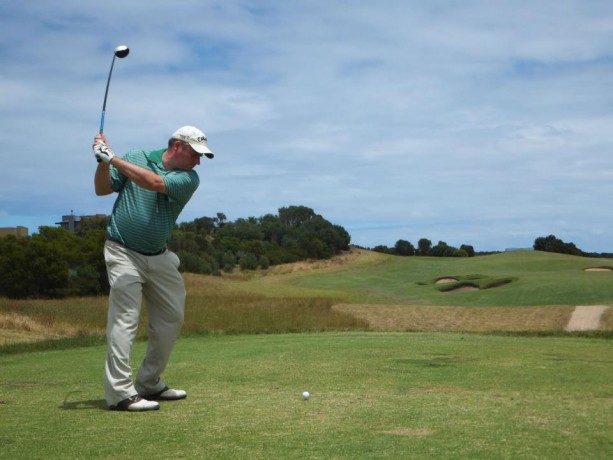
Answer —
102 152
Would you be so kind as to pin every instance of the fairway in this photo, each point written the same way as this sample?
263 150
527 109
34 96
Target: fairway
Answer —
527 278
518 291
373 395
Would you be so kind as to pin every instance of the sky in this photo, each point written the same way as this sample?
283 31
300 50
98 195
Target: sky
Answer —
485 122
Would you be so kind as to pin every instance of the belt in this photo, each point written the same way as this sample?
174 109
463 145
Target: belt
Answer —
116 241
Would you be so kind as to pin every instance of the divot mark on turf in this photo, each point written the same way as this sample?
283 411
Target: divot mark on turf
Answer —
586 318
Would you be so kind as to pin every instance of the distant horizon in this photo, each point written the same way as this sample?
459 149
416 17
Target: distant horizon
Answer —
371 246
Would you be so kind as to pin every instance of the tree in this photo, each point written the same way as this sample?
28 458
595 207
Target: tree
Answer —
334 237
442 249
383 249
273 228
343 238
248 261
552 244
296 233
470 251
423 247
47 269
295 216
404 248
220 220
228 262
264 262
92 223
14 273
243 229
207 225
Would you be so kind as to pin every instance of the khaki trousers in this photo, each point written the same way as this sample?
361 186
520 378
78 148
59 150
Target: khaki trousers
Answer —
132 277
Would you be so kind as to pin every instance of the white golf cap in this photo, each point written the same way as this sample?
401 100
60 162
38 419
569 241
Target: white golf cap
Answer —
195 138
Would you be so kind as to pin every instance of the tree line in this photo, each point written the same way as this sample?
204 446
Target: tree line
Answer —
58 263
553 244
53 263
425 248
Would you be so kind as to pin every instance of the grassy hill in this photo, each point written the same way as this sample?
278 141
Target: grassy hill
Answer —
361 290
512 291
527 278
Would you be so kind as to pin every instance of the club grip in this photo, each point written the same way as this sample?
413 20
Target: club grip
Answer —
101 130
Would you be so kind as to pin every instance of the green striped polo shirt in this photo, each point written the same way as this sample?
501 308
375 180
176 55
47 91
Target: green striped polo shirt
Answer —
142 219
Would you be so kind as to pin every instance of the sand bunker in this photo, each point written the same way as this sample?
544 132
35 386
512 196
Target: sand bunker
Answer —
445 280
598 269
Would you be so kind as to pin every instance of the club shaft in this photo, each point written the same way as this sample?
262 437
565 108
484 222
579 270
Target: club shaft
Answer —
106 93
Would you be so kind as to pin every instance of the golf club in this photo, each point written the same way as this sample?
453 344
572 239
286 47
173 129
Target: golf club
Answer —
120 52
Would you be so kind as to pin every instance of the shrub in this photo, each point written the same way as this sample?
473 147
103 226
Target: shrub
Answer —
248 261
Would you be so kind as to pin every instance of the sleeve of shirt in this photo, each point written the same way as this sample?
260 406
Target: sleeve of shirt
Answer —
117 179
181 185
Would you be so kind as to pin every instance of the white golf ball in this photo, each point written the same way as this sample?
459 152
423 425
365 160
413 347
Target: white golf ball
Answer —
306 395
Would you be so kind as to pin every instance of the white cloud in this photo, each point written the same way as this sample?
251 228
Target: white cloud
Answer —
485 123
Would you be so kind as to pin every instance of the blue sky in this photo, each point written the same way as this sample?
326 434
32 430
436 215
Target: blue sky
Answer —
472 122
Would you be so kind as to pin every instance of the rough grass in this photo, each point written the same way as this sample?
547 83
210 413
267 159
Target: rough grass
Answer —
44 319
408 318
213 306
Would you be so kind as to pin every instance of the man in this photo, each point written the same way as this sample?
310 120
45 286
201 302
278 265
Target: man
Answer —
152 187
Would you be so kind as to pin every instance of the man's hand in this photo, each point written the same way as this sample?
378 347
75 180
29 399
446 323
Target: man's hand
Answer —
102 152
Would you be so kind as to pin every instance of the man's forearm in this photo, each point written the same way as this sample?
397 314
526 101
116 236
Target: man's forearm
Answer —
137 174
102 180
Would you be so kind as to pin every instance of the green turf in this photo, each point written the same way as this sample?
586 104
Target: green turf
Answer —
523 278
374 395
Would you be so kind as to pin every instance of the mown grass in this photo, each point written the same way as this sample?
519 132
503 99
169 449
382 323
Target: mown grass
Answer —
537 278
374 395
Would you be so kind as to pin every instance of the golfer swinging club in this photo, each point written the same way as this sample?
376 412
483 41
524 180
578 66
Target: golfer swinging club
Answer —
152 188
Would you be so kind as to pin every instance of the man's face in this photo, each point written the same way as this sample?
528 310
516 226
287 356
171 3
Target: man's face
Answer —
187 157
